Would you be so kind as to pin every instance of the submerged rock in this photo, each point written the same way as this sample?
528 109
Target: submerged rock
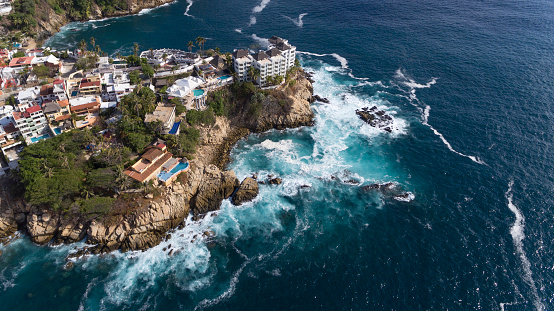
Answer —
275 181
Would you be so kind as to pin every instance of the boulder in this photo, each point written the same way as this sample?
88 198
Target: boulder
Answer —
247 191
215 187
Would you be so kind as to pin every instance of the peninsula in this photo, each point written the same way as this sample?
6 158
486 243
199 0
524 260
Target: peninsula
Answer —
120 151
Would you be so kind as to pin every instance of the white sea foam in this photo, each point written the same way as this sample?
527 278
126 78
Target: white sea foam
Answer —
343 63
238 30
426 122
252 20
189 4
90 285
145 11
518 235
264 42
413 86
261 6
297 21
410 197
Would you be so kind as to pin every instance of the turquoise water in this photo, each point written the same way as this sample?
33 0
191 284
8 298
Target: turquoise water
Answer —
57 131
469 85
224 77
164 176
198 93
39 138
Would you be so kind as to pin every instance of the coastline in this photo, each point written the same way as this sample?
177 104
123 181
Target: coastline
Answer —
200 190
46 29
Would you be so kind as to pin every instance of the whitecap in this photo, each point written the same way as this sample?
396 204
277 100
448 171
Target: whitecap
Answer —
264 42
252 21
297 21
517 232
189 4
261 6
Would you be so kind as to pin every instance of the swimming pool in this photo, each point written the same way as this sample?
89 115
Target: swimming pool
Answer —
198 93
57 131
35 139
175 127
224 77
165 176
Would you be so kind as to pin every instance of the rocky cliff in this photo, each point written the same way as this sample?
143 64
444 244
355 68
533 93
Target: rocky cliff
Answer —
199 190
50 22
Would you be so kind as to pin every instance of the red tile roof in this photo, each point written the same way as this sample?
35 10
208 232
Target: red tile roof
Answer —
89 83
20 61
33 109
10 128
63 103
19 115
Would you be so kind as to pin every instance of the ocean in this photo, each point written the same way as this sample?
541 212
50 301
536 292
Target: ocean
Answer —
469 85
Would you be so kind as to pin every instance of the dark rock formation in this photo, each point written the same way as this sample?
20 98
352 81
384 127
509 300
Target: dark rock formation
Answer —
247 191
320 99
376 118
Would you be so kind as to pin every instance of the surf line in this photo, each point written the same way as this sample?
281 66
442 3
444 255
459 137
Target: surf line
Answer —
517 233
409 82
189 4
343 62
448 145
297 21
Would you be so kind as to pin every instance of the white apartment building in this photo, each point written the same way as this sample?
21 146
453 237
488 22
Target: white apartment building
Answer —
28 97
242 61
276 61
31 122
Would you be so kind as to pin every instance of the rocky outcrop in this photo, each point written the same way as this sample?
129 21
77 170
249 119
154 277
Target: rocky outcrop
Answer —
247 191
216 186
376 118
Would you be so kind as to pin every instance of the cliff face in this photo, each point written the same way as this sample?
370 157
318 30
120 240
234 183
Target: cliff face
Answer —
46 27
199 190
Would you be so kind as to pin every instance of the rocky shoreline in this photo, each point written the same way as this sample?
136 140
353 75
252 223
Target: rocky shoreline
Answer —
200 190
48 27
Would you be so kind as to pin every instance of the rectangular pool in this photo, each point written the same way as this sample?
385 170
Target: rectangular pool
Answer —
36 139
165 176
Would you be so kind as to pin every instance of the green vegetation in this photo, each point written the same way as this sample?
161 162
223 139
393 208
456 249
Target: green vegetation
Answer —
216 100
196 117
18 54
131 128
42 72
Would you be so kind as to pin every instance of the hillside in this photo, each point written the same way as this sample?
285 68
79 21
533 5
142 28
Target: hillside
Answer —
42 18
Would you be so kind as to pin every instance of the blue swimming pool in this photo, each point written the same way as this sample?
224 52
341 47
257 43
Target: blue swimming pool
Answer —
175 127
165 176
35 139
198 93
57 131
224 77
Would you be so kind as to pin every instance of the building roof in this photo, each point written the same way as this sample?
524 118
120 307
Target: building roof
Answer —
162 113
240 53
283 46
32 109
63 103
10 128
51 107
152 153
273 52
20 115
261 55
89 83
46 90
217 61
21 61
80 101
275 40
63 117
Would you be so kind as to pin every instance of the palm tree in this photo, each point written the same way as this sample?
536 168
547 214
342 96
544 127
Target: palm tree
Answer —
86 193
164 57
49 172
254 73
135 49
151 53
190 45
217 50
200 41
92 42
83 47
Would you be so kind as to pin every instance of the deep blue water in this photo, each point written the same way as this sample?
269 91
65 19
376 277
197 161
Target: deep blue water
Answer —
470 85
